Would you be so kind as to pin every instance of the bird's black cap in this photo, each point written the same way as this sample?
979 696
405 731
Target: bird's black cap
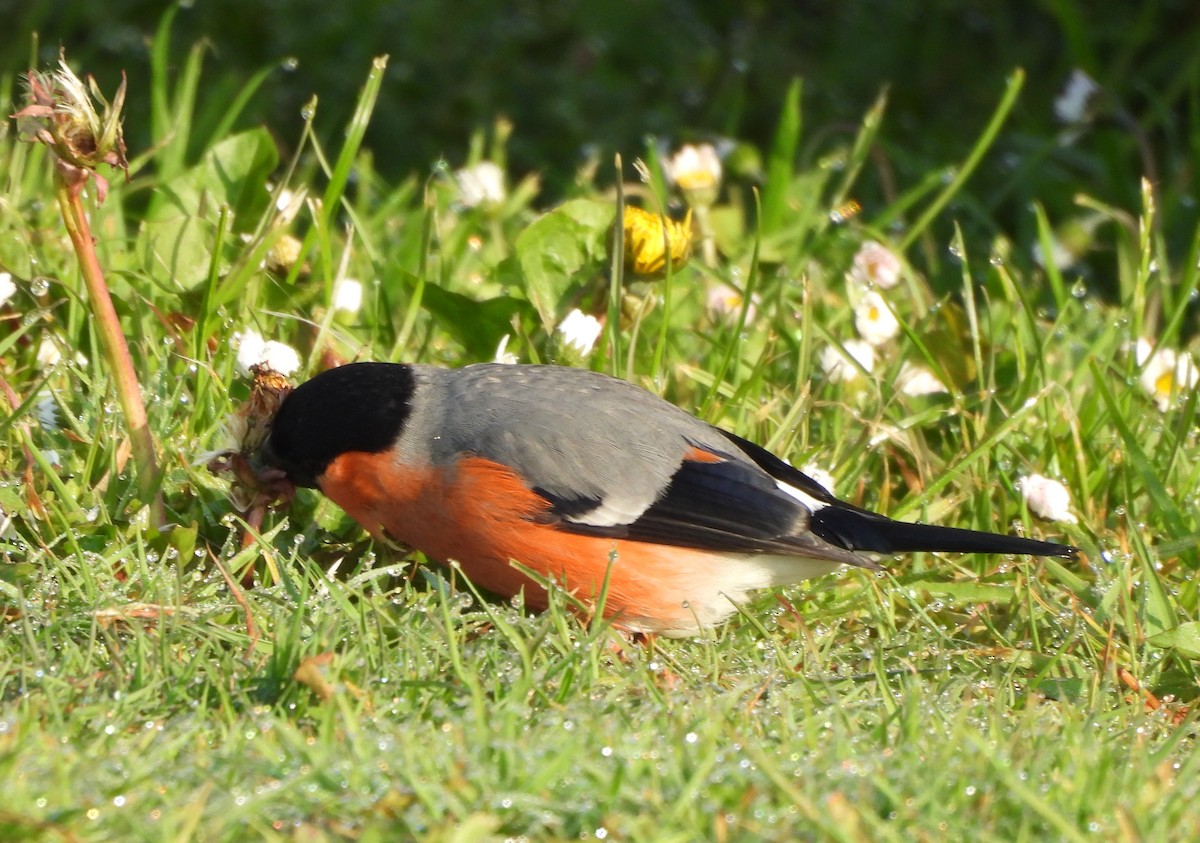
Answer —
357 407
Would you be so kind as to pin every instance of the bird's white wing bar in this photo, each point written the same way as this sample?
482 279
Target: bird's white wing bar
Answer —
808 500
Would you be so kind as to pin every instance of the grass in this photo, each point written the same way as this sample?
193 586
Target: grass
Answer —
145 695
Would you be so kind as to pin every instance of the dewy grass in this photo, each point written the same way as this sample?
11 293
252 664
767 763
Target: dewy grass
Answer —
144 698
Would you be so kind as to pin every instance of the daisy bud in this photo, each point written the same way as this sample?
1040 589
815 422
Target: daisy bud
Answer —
282 256
48 353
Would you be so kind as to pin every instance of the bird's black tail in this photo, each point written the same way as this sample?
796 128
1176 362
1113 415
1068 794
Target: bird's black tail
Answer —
855 529
847 526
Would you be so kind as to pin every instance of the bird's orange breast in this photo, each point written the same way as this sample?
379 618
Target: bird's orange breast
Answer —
483 516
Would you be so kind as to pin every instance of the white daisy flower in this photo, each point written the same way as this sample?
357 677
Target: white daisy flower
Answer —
838 362
875 265
1166 374
348 295
7 288
580 331
48 353
874 319
253 350
1047 498
696 171
916 380
1060 256
482 184
1142 349
823 477
288 202
724 302
1071 106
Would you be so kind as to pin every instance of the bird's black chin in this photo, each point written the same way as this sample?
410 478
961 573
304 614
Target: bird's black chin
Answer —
297 473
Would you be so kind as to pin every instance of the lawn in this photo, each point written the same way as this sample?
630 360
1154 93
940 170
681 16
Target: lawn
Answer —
203 681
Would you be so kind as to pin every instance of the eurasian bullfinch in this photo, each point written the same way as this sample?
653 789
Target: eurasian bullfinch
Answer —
580 477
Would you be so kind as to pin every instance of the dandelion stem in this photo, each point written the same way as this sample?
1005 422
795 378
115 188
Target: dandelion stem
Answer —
68 187
617 277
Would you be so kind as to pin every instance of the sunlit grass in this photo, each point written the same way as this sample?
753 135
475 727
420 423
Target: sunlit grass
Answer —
144 694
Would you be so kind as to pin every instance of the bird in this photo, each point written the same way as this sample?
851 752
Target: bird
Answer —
593 484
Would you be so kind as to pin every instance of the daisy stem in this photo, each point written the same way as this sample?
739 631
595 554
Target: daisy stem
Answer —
69 187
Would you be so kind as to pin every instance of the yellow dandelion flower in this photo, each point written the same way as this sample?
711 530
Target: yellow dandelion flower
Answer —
649 238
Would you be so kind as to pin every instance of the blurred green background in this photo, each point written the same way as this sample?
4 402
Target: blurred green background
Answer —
582 79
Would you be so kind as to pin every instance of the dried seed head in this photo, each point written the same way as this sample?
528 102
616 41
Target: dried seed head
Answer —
75 120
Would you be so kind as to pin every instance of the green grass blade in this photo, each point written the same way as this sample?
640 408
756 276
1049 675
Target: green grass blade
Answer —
781 162
967 168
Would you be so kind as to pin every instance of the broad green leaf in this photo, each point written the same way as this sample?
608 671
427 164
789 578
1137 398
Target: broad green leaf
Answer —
1184 638
594 216
177 238
177 251
233 174
478 325
556 248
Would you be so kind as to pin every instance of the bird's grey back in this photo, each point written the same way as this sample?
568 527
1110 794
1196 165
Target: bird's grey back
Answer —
570 433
